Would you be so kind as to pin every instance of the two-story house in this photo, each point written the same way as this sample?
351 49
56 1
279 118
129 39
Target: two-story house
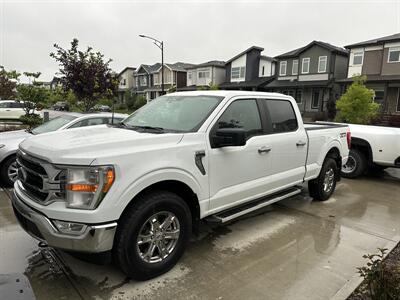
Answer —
148 78
204 75
126 82
379 61
249 70
309 73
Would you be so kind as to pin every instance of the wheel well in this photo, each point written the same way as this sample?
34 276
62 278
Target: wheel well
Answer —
335 154
182 190
7 157
362 146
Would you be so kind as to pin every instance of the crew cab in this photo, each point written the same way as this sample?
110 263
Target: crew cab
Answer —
139 189
372 148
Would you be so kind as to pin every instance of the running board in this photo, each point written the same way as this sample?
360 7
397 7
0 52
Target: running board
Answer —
236 212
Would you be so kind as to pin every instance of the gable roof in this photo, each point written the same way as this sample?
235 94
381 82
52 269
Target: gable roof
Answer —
244 52
382 40
211 63
328 46
126 68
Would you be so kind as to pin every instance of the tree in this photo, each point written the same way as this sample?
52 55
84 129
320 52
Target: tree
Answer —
33 95
357 105
86 74
8 83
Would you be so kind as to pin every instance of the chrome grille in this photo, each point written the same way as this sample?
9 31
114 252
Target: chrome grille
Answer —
38 179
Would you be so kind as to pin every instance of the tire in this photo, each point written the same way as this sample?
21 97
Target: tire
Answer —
138 219
324 185
5 169
358 159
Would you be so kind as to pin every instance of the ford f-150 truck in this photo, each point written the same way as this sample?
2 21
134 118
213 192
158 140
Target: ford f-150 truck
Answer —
139 189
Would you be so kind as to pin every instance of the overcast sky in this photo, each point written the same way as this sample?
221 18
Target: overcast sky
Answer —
193 31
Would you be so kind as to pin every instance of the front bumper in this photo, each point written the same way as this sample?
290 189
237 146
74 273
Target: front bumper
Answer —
94 239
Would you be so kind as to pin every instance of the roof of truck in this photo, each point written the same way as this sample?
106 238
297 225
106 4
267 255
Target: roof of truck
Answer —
226 93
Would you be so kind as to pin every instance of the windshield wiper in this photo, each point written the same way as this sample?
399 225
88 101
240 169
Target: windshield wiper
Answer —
158 129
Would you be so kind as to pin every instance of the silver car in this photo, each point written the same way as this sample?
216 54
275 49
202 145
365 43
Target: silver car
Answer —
9 141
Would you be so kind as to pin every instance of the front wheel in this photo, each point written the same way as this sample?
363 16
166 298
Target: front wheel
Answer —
152 235
8 171
324 185
356 164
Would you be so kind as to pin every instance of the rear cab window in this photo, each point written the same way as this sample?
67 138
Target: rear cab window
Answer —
281 116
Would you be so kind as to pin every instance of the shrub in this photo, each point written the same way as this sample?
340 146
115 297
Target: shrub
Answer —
140 101
31 120
357 105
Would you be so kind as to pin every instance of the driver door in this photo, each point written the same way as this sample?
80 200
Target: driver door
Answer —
239 173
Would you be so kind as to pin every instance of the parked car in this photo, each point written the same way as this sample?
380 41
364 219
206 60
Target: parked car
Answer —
372 147
11 109
9 141
63 106
139 189
102 108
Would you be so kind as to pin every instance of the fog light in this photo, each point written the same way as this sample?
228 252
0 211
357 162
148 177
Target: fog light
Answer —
70 227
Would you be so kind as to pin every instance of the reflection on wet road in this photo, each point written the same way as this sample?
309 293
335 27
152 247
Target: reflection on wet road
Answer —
296 249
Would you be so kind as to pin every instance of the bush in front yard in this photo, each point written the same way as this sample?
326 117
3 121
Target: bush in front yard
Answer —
357 105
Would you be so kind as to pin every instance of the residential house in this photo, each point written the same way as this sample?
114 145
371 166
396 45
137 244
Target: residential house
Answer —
379 61
249 70
205 75
126 82
148 78
309 73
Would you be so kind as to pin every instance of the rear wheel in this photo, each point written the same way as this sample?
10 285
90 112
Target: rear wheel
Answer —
8 171
356 164
324 185
152 235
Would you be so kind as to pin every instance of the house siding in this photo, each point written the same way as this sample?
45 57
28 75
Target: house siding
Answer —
372 62
389 68
314 53
252 64
340 70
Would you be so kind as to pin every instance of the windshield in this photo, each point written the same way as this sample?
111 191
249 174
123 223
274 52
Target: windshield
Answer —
174 113
53 124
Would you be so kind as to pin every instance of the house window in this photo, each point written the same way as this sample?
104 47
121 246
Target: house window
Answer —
155 79
282 68
315 99
123 82
379 96
189 75
394 54
398 100
358 58
137 81
143 80
299 95
263 70
295 67
305 65
322 64
204 73
238 72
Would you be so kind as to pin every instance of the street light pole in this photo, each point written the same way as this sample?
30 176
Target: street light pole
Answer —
160 45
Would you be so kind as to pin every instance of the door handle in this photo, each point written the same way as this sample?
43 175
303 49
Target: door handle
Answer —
264 150
300 144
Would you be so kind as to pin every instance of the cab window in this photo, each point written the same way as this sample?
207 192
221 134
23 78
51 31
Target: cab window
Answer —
281 116
242 114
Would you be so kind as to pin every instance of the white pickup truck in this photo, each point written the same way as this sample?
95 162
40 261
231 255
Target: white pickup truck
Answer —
372 147
140 188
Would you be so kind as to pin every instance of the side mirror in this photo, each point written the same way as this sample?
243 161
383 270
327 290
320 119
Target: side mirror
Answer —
224 137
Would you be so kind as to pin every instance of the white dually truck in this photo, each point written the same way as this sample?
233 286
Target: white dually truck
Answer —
139 189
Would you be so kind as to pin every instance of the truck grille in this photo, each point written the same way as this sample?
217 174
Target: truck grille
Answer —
38 179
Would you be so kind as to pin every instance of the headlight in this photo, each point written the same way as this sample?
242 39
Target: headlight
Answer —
86 187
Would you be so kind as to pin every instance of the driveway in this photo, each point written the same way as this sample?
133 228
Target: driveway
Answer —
296 249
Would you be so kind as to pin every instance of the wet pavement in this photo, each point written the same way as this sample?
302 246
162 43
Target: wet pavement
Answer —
296 249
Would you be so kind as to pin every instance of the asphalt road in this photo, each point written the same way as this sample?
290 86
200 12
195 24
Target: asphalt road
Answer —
296 249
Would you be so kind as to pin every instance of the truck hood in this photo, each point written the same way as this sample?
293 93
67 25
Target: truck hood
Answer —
81 146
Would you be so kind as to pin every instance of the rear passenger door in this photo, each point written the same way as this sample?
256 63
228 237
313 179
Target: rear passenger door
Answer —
288 144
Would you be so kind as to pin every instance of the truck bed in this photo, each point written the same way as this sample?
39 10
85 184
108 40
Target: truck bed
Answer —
319 126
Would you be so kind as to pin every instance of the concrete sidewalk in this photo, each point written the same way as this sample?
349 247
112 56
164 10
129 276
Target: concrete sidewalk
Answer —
296 249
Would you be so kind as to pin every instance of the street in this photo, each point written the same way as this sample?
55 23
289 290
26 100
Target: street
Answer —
295 249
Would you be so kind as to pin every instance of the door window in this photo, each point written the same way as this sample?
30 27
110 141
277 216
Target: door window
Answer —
282 116
242 114
315 99
5 104
90 122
